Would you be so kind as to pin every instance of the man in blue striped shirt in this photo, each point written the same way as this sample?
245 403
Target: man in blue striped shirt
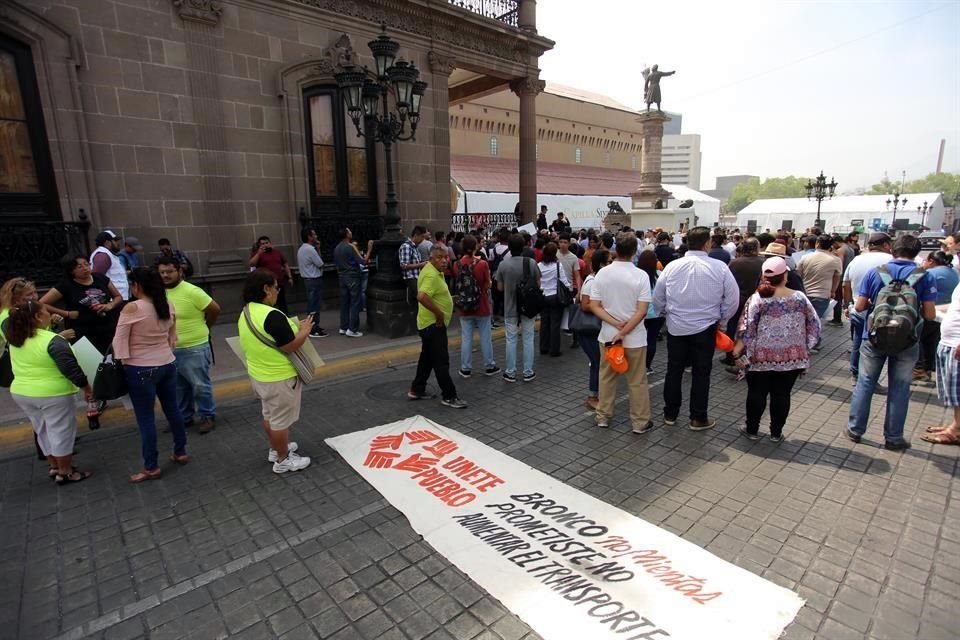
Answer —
697 294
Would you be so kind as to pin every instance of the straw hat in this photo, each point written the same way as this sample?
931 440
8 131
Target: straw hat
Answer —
775 249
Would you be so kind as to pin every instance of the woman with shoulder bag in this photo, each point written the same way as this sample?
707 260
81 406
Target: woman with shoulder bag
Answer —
146 336
552 275
588 336
778 328
46 378
272 376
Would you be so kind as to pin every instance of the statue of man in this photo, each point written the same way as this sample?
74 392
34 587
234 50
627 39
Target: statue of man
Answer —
651 85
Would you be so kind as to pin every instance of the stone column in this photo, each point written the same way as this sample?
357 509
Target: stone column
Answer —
527 16
650 190
527 89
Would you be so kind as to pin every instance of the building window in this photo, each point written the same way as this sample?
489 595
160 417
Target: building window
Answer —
493 145
342 172
633 162
577 155
27 185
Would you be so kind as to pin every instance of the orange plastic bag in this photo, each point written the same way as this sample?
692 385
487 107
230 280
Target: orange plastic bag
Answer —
723 342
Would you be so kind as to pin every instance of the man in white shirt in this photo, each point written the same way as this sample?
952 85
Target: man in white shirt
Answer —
696 294
878 251
104 261
948 375
619 296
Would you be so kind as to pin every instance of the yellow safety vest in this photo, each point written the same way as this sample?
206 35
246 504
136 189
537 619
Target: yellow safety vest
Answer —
35 373
264 363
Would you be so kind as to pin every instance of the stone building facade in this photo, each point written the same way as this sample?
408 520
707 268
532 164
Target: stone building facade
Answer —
212 122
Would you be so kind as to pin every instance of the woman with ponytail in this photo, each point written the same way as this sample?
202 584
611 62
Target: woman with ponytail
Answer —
46 379
144 343
778 328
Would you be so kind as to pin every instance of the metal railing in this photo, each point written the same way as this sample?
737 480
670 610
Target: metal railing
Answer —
504 11
466 222
328 226
33 249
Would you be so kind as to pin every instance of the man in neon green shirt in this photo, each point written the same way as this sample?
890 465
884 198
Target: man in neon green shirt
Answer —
196 313
434 313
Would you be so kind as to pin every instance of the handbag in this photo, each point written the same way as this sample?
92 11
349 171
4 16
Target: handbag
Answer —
564 295
110 381
585 322
305 360
6 369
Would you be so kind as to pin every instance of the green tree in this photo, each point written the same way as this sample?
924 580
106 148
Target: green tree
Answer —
745 193
947 184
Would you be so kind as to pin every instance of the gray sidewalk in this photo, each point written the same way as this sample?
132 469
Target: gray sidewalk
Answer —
224 548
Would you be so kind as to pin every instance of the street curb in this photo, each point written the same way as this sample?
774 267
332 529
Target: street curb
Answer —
16 437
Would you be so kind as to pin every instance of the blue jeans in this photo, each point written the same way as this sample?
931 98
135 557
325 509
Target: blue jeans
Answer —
314 288
193 382
591 347
147 384
900 375
349 301
480 324
856 338
526 328
820 306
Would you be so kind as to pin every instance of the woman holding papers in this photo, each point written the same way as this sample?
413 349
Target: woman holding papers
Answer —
46 377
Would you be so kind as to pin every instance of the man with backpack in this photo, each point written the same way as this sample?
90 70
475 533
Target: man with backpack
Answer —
471 296
898 296
518 278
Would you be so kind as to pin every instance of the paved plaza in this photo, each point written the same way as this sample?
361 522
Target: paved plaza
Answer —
225 548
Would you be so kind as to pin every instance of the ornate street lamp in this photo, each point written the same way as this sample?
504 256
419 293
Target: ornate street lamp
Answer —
898 203
819 189
367 96
922 212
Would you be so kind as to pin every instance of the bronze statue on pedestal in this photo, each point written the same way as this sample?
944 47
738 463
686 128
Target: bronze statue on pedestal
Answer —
651 85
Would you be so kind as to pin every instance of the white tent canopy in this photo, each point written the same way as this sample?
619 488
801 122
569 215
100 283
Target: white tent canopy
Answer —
841 212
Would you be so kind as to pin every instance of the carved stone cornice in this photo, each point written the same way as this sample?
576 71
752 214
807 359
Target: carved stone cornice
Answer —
432 23
441 65
205 11
527 86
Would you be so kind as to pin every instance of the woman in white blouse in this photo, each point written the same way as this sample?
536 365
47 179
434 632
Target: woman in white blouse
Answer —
551 273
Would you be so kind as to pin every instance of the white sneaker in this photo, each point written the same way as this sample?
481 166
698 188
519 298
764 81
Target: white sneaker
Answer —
354 334
343 331
272 455
293 462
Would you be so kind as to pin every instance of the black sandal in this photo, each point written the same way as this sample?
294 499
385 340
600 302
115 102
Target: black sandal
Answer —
69 478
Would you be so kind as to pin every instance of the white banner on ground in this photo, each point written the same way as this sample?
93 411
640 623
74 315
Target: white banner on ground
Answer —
571 566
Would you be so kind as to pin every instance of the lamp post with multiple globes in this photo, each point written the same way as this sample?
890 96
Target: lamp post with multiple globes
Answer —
819 189
368 94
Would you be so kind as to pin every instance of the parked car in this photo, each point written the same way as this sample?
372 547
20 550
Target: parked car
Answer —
931 240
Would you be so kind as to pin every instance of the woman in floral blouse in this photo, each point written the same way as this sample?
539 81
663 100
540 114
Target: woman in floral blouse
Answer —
777 330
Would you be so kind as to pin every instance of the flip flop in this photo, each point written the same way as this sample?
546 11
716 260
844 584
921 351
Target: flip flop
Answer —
937 428
942 438
143 474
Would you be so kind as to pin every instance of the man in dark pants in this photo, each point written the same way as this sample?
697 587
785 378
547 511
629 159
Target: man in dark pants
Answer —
746 271
433 317
697 294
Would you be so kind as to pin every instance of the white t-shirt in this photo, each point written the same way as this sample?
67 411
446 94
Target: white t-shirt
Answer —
860 266
950 327
619 287
731 248
548 277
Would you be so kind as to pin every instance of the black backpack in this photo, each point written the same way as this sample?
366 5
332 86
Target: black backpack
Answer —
530 300
895 322
466 290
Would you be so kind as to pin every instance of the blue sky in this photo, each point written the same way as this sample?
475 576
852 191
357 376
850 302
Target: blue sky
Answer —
855 88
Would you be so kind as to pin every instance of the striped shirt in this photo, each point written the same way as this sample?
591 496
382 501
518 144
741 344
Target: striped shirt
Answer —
694 293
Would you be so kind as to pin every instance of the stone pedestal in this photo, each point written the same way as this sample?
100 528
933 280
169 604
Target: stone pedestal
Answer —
651 195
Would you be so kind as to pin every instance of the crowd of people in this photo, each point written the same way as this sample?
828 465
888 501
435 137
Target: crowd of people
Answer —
615 296
618 295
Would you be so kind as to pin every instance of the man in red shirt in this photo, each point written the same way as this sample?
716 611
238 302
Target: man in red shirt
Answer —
477 318
264 256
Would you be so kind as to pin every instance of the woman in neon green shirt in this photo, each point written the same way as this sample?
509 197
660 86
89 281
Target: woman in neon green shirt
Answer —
267 335
46 378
